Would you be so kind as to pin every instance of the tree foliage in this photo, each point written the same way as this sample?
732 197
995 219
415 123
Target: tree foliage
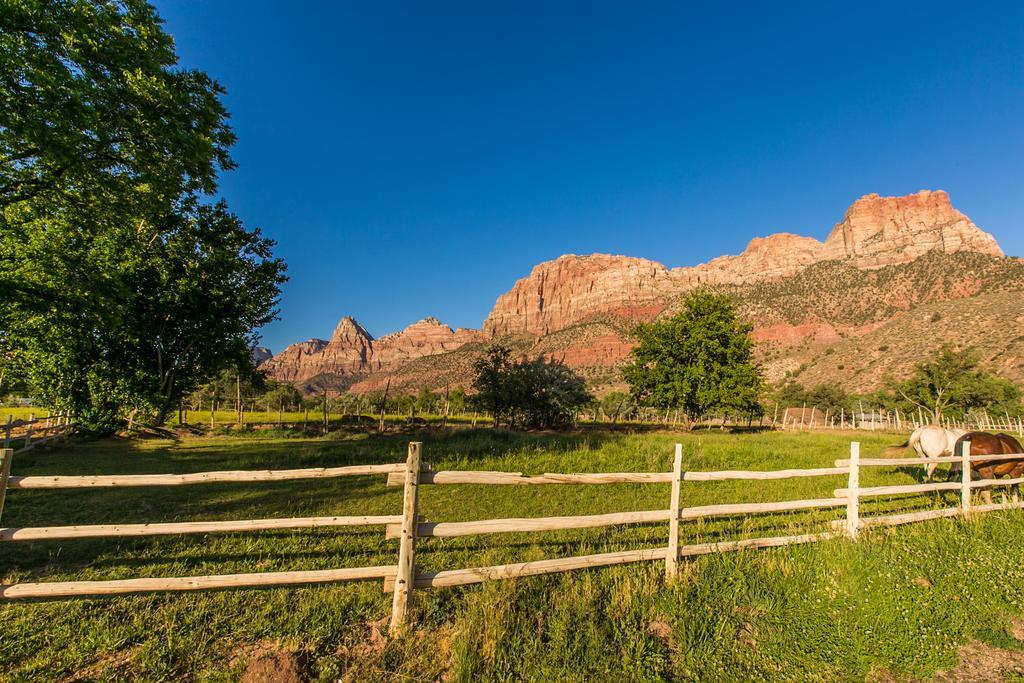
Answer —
531 394
282 396
124 286
699 361
616 405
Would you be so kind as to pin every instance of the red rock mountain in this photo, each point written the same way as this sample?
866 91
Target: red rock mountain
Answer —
353 352
875 233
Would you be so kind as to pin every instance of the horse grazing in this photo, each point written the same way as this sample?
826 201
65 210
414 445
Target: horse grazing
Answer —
983 443
933 442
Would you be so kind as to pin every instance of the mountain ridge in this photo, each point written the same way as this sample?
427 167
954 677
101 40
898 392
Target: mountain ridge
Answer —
876 233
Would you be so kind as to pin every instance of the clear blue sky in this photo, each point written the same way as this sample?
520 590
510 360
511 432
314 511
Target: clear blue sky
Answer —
416 158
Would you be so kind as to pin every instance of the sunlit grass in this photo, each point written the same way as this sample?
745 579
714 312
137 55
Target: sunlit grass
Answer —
20 413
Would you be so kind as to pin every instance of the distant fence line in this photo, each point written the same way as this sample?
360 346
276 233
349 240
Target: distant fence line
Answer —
888 420
54 426
402 578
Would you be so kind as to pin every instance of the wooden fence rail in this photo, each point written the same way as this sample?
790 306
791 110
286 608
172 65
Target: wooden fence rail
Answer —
401 579
55 426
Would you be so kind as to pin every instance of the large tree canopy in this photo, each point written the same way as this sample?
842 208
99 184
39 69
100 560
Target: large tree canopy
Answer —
698 361
124 285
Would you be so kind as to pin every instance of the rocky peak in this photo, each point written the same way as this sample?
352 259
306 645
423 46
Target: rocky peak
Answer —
878 231
776 255
352 351
349 331
260 354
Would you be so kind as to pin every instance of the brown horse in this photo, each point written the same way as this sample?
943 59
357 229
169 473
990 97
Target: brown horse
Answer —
983 443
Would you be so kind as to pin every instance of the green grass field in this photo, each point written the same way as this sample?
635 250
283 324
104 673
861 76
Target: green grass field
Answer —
897 603
19 413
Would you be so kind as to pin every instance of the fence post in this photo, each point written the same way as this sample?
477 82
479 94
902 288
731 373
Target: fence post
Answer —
7 432
28 434
6 457
965 477
853 488
406 575
672 556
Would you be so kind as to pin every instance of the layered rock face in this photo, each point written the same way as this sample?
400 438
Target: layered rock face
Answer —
875 232
352 351
881 231
778 255
564 291
423 338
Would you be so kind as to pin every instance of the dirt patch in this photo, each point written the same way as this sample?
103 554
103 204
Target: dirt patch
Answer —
376 638
1016 628
663 632
981 663
269 663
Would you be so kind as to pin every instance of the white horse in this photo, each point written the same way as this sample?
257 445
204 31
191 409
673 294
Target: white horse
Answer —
933 442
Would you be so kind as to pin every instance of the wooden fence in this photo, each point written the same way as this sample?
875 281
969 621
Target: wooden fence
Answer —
53 426
401 579
811 418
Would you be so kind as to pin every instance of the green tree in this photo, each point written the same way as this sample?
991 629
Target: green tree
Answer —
545 394
699 361
426 401
282 396
125 287
457 400
790 394
616 405
492 381
829 397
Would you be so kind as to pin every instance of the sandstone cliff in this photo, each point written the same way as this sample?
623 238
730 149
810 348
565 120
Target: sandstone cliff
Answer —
564 291
875 232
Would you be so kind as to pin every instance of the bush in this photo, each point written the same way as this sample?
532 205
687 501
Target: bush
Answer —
531 394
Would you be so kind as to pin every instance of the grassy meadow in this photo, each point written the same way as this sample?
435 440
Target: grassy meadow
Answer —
20 413
896 605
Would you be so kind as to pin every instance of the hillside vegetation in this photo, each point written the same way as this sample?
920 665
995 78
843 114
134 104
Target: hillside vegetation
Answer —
898 603
844 296
992 323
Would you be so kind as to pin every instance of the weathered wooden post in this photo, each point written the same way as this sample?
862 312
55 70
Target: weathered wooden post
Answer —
7 432
6 457
853 492
672 556
965 477
28 434
405 577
